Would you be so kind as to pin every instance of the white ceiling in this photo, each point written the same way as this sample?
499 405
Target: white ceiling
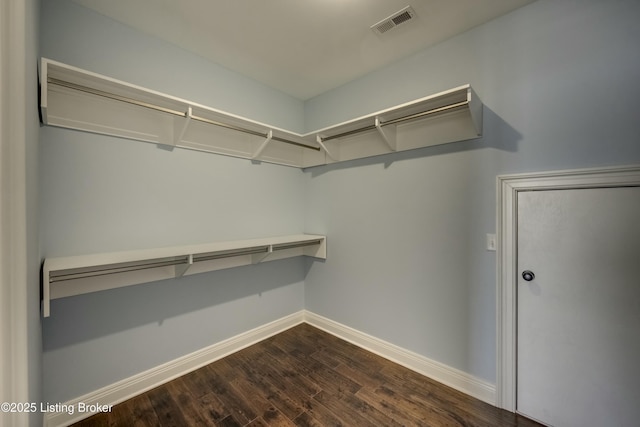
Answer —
301 47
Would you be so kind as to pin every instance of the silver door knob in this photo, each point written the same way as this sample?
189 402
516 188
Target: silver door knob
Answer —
528 275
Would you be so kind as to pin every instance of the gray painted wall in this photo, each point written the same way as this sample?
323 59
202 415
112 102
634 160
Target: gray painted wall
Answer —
407 260
406 232
101 194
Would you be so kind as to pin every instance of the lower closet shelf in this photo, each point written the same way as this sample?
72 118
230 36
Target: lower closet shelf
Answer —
76 275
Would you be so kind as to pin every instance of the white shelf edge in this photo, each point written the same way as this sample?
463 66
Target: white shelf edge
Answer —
75 275
275 151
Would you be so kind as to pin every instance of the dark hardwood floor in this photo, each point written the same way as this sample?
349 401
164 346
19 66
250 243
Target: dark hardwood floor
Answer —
304 377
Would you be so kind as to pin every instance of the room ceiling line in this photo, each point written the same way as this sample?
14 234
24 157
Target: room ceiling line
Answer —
301 48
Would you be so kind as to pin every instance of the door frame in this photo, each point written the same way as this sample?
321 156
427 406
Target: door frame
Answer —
508 187
17 383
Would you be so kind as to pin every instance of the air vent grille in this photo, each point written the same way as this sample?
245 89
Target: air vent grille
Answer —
405 16
394 20
385 26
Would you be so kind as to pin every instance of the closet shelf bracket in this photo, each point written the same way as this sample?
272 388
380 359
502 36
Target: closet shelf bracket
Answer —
388 135
263 145
326 150
180 131
261 256
182 268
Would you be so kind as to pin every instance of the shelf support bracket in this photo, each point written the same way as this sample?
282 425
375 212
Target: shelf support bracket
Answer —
257 258
182 268
263 145
324 147
388 136
178 134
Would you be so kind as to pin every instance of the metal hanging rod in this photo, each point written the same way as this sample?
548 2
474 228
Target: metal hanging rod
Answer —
397 120
113 96
283 246
60 277
252 132
230 254
139 103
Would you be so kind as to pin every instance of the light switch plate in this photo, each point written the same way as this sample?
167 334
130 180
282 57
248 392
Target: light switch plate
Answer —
491 242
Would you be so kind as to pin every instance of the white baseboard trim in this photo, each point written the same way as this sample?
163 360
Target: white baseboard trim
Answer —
144 381
437 371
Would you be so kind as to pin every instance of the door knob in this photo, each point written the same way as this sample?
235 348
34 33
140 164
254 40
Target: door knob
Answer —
528 275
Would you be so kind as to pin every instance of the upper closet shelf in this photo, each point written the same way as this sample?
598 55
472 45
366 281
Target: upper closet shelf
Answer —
78 99
75 275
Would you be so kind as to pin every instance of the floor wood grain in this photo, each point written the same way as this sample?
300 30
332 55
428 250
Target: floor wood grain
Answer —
304 377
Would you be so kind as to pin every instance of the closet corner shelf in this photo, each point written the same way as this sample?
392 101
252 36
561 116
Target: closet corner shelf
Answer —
82 100
76 275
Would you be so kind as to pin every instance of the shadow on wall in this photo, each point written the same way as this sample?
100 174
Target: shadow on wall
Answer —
497 134
94 315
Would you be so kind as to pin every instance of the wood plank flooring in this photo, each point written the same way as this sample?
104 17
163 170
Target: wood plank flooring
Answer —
304 377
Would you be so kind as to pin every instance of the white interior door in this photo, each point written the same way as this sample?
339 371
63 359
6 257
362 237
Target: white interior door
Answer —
578 344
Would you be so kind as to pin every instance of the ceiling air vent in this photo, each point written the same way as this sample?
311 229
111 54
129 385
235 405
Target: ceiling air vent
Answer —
394 20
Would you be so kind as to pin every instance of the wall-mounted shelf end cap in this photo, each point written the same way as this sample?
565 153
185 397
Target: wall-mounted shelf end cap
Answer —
475 110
